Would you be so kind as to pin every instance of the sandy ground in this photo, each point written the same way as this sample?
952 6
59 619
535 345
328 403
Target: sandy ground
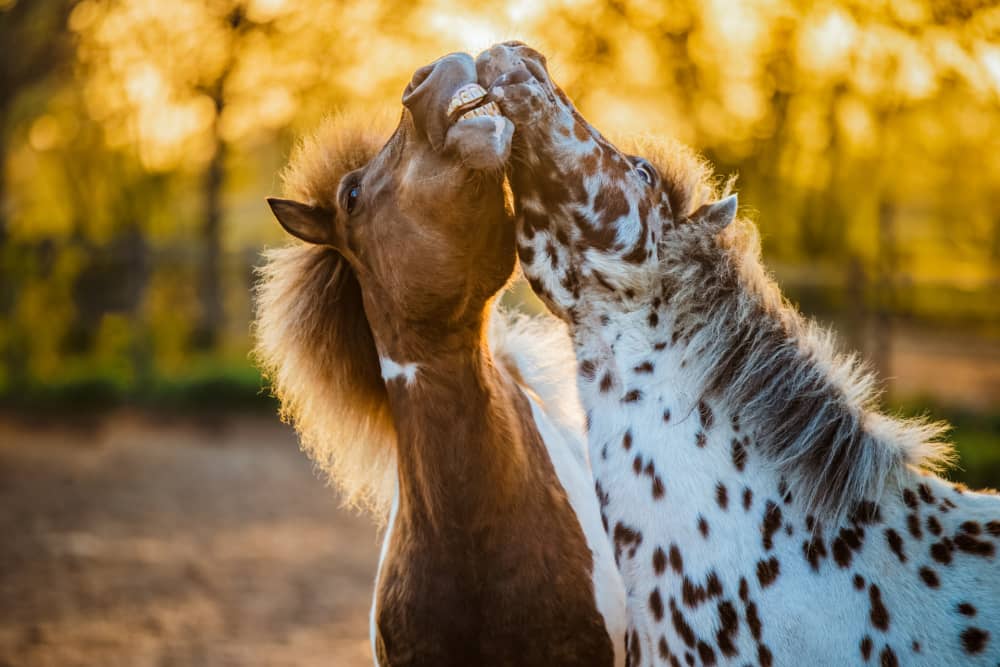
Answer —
138 542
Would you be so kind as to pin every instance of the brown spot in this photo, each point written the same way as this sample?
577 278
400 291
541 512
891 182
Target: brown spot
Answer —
705 414
660 347
588 369
866 648
896 544
666 415
941 551
706 653
814 551
933 525
966 609
930 577
658 489
971 545
656 604
730 625
700 439
841 553
770 525
606 382
744 589
925 494
713 585
971 527
637 465
692 594
859 582
879 614
653 319
974 640
913 525
627 440
888 657
634 649
764 656
993 528
753 620
580 130
610 204
915 646
664 649
721 495
632 396
739 455
703 527
659 561
768 571
676 562
910 498
644 367
747 498
680 624
626 537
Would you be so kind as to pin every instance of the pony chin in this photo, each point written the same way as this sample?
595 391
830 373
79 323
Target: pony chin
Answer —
482 143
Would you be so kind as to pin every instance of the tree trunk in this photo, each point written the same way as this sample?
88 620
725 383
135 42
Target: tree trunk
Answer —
210 280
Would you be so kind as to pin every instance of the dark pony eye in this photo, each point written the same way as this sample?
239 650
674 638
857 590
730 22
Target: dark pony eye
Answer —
352 198
645 171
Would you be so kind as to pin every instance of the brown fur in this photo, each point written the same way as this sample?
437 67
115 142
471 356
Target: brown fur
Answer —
487 563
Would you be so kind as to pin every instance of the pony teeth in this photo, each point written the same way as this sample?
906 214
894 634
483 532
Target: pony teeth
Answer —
488 109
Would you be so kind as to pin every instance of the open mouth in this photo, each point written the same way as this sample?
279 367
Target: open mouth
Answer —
471 101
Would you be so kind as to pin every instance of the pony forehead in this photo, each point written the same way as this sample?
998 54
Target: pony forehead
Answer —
342 143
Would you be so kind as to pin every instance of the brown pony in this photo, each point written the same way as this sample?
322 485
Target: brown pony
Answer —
373 334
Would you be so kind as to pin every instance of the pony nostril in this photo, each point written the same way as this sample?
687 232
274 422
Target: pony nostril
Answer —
419 77
537 70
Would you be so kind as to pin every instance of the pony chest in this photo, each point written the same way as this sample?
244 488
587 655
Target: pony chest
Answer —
492 600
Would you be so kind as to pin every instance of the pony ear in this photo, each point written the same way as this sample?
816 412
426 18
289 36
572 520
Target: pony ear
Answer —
312 224
717 215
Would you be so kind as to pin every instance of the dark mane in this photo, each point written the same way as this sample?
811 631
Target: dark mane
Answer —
814 410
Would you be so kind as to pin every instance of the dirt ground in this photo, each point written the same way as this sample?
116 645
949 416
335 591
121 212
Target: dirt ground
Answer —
134 541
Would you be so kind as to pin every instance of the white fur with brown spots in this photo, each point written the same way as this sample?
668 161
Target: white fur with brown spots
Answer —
763 511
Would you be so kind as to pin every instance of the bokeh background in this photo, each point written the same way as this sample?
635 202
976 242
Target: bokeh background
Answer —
154 512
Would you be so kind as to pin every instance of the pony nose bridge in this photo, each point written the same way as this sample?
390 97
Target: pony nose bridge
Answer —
430 90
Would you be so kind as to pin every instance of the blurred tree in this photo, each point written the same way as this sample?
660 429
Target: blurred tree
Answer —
34 33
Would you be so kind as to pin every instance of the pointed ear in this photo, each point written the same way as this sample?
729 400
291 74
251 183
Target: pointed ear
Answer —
717 215
312 224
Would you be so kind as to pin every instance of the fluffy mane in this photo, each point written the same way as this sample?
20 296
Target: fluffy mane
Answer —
812 409
315 347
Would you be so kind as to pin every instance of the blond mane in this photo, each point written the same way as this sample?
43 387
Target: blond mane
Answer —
312 339
814 410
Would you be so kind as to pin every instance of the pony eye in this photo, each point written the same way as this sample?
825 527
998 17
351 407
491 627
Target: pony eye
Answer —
645 172
352 198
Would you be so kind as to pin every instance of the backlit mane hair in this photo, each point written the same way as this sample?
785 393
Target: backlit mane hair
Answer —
312 339
812 409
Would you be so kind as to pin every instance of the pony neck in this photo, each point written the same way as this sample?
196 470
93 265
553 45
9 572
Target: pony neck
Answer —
461 425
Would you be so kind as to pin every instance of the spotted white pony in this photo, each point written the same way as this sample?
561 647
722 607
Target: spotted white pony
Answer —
763 511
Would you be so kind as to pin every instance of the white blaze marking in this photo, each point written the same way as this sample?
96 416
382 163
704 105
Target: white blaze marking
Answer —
394 371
